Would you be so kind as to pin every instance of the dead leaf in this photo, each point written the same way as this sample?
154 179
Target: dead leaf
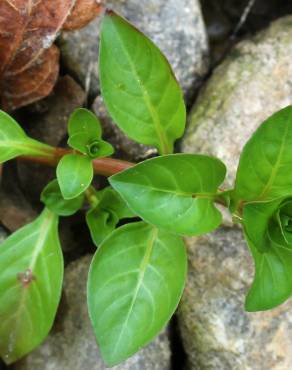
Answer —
82 13
29 63
32 84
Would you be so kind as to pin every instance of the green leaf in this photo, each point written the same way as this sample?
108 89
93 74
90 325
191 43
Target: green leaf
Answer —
31 273
107 209
52 197
74 174
264 171
85 134
84 121
174 192
138 86
272 254
14 141
135 282
101 223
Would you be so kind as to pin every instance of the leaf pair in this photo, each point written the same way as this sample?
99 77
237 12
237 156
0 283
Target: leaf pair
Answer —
75 171
264 187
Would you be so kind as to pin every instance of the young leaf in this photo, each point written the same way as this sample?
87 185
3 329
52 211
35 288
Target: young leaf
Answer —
52 198
31 273
108 208
174 192
85 134
74 174
135 283
101 223
84 121
269 239
14 141
138 85
264 171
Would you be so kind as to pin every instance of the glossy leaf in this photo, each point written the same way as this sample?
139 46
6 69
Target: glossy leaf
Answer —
107 209
272 253
31 273
174 192
14 141
135 283
52 197
264 171
138 86
74 174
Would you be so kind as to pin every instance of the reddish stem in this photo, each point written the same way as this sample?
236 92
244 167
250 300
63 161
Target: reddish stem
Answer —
101 166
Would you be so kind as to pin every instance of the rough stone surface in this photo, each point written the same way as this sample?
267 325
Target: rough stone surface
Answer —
15 210
125 148
218 334
253 82
175 26
71 344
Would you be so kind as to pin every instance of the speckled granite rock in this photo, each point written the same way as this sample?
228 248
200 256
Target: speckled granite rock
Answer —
218 334
175 26
71 345
253 82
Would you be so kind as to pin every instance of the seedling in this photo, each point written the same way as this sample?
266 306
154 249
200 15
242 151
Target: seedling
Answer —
138 272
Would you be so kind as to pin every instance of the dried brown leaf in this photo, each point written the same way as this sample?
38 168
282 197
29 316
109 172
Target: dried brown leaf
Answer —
32 84
28 62
14 15
82 13
46 19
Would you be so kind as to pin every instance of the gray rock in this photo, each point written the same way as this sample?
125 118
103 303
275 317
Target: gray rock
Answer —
218 334
71 344
175 26
253 82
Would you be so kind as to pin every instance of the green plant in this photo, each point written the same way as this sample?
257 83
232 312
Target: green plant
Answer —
138 272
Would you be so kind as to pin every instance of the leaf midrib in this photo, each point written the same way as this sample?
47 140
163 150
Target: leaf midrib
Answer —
165 148
142 268
278 161
43 233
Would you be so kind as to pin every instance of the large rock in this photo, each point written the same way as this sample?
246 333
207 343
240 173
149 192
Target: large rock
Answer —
71 344
175 26
218 334
253 82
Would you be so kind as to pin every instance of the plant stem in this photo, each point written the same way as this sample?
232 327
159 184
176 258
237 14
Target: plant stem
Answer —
101 166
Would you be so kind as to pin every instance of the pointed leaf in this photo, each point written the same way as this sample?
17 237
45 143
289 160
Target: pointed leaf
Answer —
31 273
175 192
138 86
264 171
135 283
74 174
